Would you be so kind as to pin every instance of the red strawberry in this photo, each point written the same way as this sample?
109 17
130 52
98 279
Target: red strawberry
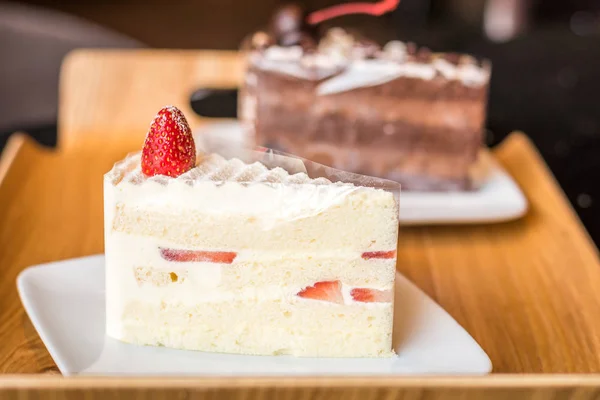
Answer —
220 257
326 291
169 148
366 295
367 255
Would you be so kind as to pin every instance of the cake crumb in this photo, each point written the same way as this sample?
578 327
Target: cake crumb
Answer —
156 277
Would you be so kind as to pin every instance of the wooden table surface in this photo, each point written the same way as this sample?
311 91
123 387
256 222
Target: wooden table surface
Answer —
526 290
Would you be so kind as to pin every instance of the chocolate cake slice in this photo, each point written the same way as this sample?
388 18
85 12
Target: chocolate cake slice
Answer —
396 111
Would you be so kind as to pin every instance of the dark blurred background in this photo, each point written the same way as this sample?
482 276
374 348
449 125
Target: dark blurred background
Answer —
545 55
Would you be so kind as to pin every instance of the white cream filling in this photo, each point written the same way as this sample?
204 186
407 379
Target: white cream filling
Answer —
269 205
365 73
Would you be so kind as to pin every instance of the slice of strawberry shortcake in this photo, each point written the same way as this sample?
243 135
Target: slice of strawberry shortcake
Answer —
210 253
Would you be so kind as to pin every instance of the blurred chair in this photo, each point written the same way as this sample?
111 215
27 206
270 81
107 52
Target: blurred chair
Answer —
33 42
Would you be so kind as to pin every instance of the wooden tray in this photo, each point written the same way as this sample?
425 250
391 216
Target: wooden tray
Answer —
525 290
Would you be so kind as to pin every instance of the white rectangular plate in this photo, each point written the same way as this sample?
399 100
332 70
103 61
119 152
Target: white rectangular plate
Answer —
497 199
65 302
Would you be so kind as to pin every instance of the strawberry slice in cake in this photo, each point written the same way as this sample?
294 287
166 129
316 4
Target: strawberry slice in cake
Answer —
210 253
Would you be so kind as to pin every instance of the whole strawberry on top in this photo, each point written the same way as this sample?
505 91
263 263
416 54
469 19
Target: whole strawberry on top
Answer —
169 148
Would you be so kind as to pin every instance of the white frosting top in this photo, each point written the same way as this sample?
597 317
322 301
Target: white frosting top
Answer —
347 66
291 61
212 168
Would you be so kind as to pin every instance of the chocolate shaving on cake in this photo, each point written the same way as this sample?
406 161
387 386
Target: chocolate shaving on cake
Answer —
424 55
289 28
364 48
411 48
452 58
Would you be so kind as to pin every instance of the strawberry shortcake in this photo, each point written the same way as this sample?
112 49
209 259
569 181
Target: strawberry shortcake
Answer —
212 253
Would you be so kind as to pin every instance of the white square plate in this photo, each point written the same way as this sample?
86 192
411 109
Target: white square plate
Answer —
65 302
498 198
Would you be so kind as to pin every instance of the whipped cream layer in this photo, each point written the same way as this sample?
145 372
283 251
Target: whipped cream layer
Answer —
211 168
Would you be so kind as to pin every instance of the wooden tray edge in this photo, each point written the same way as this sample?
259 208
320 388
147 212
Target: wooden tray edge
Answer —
8 382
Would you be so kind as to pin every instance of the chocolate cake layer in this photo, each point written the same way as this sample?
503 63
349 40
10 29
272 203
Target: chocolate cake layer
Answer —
337 119
340 130
447 110
397 112
414 168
